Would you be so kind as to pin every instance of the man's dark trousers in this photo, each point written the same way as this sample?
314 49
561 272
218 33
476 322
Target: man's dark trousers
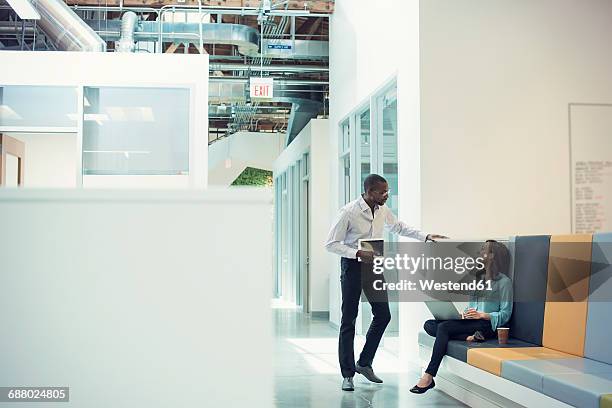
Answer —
353 280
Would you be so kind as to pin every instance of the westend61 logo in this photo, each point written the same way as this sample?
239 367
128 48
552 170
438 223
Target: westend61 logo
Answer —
410 264
419 271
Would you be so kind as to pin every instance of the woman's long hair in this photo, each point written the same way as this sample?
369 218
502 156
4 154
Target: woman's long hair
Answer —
501 258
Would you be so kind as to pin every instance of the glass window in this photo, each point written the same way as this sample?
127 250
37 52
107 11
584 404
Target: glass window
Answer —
136 131
346 179
306 164
365 162
38 106
345 143
345 162
389 146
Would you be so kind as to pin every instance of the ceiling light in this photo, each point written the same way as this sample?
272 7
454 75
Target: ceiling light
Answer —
93 117
24 9
131 113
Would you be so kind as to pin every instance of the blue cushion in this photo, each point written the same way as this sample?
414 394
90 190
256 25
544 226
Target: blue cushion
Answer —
530 277
531 373
599 317
458 349
579 390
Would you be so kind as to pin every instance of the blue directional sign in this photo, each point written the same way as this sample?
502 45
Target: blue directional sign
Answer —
279 47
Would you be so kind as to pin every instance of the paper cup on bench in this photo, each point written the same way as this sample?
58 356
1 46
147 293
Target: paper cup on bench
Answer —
502 335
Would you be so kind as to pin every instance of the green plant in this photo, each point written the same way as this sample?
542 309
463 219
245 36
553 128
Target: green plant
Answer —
254 177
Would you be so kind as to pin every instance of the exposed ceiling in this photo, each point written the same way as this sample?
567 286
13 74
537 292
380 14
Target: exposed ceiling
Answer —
292 34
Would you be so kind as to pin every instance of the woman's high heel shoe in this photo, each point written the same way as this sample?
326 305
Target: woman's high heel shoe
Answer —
479 337
418 390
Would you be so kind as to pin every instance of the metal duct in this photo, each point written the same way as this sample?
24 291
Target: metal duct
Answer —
306 103
65 29
244 37
234 90
301 113
128 24
267 68
298 49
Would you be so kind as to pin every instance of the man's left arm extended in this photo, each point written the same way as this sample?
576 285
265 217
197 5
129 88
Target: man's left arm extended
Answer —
398 227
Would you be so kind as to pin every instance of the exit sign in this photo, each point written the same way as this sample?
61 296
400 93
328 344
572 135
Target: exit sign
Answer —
262 88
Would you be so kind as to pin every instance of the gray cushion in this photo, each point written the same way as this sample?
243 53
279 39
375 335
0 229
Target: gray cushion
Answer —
579 390
599 317
531 373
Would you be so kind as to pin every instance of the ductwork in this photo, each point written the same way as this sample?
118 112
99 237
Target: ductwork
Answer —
267 68
306 104
234 90
244 37
128 24
65 30
301 113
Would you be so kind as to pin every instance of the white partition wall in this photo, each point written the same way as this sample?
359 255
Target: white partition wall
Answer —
138 299
138 120
302 223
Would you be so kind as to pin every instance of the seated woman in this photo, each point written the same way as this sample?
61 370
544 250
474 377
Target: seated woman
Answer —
486 312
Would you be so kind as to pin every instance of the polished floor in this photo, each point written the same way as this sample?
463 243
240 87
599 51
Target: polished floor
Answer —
307 375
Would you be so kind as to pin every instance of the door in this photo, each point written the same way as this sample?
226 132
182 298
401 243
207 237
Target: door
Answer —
11 151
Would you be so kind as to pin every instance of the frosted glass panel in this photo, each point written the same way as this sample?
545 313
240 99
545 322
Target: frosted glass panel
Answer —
38 106
136 131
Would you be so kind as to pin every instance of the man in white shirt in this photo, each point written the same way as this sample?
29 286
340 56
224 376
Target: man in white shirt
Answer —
360 219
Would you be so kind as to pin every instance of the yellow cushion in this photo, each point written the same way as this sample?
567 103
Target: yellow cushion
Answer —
491 359
605 401
567 292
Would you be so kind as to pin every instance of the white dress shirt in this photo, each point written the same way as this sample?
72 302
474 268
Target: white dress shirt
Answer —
355 222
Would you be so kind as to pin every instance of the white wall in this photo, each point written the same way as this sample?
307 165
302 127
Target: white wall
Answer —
314 138
497 78
244 149
123 69
50 159
130 300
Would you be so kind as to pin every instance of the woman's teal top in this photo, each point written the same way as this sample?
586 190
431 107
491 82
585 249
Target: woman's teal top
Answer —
496 302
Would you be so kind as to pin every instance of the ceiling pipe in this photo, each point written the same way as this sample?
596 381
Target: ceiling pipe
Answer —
239 11
128 25
267 68
65 30
244 37
277 82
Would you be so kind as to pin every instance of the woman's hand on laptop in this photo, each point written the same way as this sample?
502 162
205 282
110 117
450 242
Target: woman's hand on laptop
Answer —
471 313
